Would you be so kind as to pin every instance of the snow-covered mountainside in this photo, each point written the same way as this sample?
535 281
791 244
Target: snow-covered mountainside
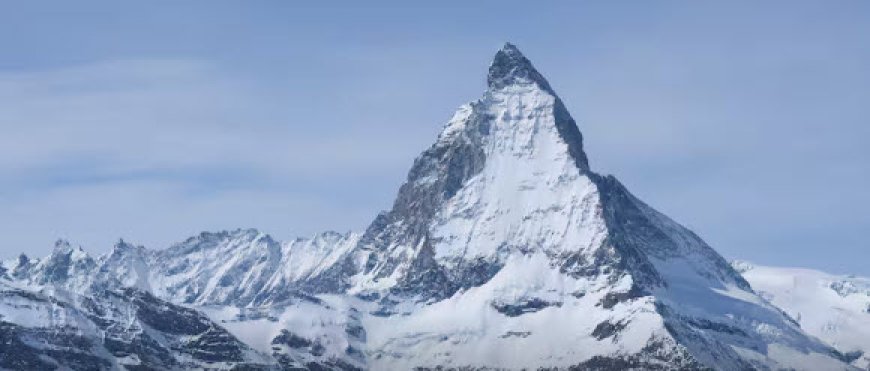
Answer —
502 250
41 329
833 308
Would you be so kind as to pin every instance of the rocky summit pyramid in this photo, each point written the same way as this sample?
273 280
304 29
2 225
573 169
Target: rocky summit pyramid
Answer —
502 250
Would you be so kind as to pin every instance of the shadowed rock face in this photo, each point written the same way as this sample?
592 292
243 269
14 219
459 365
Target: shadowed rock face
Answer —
46 349
521 307
435 177
511 67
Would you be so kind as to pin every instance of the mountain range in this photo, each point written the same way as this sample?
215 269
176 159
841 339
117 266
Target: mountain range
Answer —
503 249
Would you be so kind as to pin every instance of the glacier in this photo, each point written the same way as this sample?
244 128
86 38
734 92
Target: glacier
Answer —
503 250
834 308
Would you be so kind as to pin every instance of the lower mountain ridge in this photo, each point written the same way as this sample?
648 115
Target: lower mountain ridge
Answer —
502 250
833 308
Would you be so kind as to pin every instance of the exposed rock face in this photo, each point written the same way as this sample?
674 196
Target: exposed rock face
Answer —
502 250
109 329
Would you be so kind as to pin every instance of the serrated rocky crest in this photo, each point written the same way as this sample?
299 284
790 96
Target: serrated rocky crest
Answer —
502 250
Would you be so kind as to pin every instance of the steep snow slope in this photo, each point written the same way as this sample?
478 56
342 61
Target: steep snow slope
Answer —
834 308
303 332
241 267
125 266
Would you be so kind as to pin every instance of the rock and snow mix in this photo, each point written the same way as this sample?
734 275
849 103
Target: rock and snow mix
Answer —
833 308
503 250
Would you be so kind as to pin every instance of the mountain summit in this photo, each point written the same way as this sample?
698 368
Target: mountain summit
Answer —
502 250
510 67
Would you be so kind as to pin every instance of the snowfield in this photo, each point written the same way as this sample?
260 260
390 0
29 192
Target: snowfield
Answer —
833 308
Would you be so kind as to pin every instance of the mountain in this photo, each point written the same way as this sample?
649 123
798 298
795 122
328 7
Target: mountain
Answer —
502 250
833 308
128 328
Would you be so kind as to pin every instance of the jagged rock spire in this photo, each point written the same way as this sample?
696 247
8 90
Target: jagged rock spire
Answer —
62 245
123 246
510 66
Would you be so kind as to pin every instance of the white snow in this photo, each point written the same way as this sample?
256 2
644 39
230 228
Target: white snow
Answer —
833 308
530 194
466 330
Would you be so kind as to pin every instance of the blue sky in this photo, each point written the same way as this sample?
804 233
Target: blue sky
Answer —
153 121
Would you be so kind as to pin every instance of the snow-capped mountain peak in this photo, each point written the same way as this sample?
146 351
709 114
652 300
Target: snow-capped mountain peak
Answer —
513 157
66 266
125 266
511 67
502 250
